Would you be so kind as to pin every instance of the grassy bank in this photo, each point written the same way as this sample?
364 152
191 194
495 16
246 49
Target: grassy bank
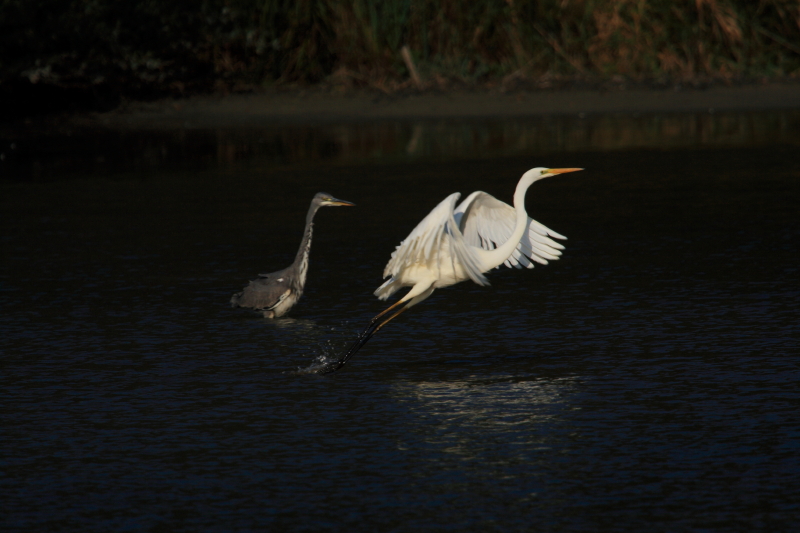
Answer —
104 49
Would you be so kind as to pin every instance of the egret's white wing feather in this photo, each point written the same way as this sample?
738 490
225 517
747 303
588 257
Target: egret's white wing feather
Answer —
435 232
487 222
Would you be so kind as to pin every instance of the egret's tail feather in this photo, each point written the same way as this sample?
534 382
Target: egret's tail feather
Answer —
389 287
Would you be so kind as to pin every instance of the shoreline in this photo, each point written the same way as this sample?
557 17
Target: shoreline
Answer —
292 127
318 106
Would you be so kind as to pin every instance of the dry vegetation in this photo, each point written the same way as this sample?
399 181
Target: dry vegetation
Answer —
496 42
141 49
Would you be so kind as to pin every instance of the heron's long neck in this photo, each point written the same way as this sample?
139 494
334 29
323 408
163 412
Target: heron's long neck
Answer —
494 258
301 260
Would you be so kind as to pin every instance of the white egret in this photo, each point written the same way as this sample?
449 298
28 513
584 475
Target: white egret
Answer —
453 244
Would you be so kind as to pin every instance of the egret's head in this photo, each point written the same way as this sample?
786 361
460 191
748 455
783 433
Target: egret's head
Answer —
540 172
323 198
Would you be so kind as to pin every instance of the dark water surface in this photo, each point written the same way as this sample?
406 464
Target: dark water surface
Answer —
647 381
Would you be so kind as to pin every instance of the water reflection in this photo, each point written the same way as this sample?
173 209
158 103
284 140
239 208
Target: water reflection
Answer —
298 326
56 155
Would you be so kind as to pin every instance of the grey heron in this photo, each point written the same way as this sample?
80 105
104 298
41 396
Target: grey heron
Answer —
453 244
273 294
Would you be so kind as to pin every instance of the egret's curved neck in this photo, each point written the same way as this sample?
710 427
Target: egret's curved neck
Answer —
494 258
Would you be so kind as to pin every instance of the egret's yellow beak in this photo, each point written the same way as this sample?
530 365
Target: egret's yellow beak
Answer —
562 170
336 201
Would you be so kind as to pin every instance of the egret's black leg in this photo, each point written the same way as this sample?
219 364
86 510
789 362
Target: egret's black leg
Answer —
380 320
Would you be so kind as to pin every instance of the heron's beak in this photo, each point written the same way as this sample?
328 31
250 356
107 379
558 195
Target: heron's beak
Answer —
562 170
336 201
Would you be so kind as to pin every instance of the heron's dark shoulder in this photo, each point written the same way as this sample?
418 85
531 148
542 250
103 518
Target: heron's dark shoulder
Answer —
279 278
264 292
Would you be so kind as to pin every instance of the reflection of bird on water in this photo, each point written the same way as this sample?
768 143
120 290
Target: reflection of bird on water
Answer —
301 326
454 244
275 293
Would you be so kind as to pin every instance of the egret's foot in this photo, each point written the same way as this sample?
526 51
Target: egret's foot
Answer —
375 324
327 368
321 367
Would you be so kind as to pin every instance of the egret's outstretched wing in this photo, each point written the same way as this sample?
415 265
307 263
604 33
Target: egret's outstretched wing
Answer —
436 234
487 222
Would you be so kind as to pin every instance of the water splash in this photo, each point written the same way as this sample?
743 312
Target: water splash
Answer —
327 352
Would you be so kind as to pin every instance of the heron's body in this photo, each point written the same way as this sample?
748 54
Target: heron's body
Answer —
271 294
274 294
457 243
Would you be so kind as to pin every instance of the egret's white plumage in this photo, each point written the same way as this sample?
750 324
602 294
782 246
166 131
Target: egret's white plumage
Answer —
456 243
435 254
485 221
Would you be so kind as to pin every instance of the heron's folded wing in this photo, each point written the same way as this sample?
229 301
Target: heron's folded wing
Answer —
262 293
487 222
437 233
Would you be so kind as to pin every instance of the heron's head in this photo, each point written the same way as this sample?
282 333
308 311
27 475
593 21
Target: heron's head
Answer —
323 198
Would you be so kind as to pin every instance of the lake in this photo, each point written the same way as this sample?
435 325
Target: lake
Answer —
647 380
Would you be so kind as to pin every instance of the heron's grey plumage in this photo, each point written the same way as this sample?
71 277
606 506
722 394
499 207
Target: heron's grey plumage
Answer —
275 293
